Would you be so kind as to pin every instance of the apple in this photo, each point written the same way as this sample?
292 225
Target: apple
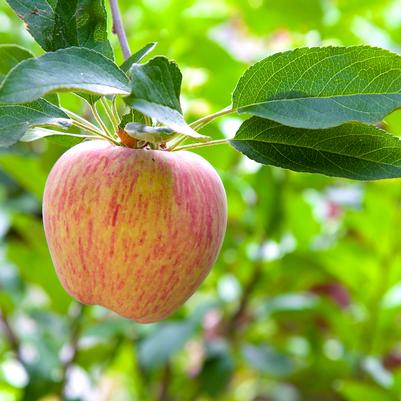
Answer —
133 230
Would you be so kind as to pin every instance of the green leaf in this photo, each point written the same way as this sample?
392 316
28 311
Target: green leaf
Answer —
156 88
53 98
58 24
15 120
10 56
130 117
138 56
352 150
322 87
155 135
73 69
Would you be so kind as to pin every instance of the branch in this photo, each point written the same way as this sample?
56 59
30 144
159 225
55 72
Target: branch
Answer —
11 336
74 338
118 28
235 321
165 384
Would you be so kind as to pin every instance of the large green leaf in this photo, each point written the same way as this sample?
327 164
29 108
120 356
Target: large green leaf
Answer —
73 69
58 24
322 87
10 56
15 120
156 88
352 150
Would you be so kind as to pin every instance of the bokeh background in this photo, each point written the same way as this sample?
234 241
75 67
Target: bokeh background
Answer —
304 303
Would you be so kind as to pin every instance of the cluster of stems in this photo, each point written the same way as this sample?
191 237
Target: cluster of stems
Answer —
111 131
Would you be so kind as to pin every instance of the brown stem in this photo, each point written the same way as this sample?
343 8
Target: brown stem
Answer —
11 336
74 338
165 384
235 321
126 140
118 28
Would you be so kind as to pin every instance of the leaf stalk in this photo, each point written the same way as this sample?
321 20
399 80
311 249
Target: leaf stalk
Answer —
118 28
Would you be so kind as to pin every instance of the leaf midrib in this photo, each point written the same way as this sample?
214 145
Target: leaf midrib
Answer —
322 151
315 97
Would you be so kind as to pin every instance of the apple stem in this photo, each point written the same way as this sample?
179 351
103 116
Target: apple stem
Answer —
87 126
115 110
110 114
200 145
99 120
118 28
179 140
207 119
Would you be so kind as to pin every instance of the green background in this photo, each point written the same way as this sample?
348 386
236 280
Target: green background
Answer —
304 302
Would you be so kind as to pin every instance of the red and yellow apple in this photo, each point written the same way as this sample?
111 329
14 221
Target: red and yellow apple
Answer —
133 230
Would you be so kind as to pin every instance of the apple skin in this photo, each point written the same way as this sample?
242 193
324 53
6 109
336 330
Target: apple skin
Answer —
136 231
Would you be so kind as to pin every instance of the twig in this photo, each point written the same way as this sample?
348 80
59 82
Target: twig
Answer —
118 28
235 321
11 336
74 338
100 122
165 384
110 114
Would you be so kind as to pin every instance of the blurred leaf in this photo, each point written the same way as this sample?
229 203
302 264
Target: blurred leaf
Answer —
159 346
27 171
267 360
322 87
217 369
138 56
354 391
354 150
15 120
290 303
10 56
32 257
67 70
156 88
59 24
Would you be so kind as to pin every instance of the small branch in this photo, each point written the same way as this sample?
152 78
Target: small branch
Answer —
11 336
165 384
74 338
118 28
235 321
178 141
200 145
115 110
99 120
110 114
84 124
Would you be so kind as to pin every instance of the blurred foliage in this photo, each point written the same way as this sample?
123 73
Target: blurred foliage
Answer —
304 303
